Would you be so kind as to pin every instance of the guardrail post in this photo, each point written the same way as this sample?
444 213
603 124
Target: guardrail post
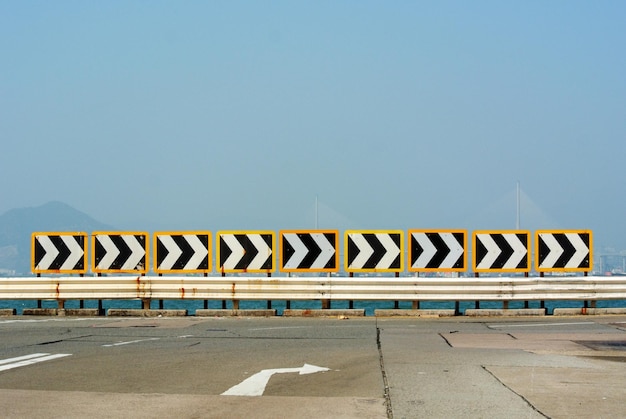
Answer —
396 304
269 302
145 303
476 303
350 302
223 301
235 304
61 304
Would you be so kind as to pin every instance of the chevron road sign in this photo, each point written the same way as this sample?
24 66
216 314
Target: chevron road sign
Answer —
437 250
309 251
182 252
565 250
59 253
245 251
501 251
374 251
119 252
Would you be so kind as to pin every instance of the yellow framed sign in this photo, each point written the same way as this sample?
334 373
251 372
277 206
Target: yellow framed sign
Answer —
309 250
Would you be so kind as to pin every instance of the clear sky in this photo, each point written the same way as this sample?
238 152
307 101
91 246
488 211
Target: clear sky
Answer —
221 115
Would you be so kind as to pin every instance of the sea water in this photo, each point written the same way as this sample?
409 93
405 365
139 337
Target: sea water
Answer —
280 305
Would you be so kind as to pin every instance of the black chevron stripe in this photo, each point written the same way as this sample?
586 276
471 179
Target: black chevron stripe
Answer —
313 250
353 250
99 252
568 250
64 252
124 254
225 251
460 238
543 250
442 250
250 251
39 252
81 262
480 250
288 251
187 251
331 264
417 249
204 238
506 251
161 252
379 251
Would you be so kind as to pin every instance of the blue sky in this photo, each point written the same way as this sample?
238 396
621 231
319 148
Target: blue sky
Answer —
219 115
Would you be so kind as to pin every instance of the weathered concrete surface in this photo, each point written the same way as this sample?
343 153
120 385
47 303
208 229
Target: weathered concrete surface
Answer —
74 404
336 313
413 313
118 312
509 367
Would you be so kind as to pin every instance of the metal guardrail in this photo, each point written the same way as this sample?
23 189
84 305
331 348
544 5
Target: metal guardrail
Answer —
237 288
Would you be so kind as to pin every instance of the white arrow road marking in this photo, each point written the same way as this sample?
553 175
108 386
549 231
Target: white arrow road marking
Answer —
111 252
493 251
173 250
365 250
392 250
51 252
428 252
76 252
519 251
137 250
237 251
199 251
128 342
328 250
21 361
265 251
581 250
456 250
255 385
300 251
555 250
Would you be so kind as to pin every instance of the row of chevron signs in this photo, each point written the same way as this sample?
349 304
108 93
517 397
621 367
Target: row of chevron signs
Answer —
313 251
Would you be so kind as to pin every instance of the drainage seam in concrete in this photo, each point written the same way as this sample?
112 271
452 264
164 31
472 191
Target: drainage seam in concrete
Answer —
384 374
515 392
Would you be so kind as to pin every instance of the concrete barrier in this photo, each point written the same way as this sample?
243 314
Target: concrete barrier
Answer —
117 312
480 312
338 313
235 313
413 313
69 312
7 312
587 311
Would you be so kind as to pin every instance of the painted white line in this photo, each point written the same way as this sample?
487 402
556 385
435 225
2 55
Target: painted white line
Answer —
255 385
20 358
503 326
22 361
129 342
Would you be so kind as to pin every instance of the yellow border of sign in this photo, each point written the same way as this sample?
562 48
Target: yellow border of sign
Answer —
410 251
280 248
217 247
345 250
528 250
58 271
157 234
119 233
538 269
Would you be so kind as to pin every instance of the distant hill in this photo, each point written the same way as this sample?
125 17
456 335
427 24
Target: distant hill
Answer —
17 226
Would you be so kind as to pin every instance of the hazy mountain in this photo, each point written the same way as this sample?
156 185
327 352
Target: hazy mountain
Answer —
17 226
